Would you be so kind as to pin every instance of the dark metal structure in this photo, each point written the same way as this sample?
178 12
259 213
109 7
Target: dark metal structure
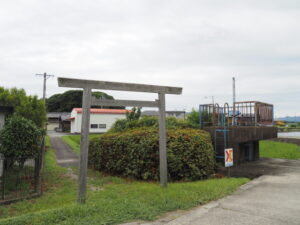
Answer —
253 113
240 127
248 113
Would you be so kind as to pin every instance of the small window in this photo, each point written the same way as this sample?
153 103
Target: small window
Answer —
94 126
102 125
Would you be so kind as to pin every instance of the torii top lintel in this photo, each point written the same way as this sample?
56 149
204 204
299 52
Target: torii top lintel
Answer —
117 86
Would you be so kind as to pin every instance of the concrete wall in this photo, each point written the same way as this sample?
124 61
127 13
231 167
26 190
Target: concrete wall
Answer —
107 119
244 141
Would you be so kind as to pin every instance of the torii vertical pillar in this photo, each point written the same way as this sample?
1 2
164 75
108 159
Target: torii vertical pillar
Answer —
163 166
84 144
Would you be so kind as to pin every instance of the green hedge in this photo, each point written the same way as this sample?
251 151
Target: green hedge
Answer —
150 121
134 153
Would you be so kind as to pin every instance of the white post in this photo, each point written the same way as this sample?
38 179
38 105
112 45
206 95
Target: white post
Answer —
84 144
163 169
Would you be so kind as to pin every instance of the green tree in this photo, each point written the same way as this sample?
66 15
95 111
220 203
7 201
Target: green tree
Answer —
193 117
68 100
20 138
34 109
134 114
12 97
29 107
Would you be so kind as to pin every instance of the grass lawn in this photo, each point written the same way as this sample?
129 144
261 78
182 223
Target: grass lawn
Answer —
272 149
110 200
74 141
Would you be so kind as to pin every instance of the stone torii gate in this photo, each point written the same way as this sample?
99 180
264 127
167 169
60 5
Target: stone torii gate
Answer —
87 101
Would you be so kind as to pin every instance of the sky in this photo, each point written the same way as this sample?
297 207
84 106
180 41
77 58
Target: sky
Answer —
197 45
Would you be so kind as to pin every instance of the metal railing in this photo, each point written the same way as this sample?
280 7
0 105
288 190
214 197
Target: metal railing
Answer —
249 113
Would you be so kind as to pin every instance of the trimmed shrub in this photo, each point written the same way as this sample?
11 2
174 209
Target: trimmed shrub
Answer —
20 138
149 121
135 154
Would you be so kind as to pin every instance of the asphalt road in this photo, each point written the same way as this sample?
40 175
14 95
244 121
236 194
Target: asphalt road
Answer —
272 199
65 156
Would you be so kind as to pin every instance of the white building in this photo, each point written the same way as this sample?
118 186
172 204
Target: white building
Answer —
101 120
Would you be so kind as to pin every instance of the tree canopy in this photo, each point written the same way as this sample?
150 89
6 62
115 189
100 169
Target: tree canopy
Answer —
20 137
134 114
29 107
193 117
68 100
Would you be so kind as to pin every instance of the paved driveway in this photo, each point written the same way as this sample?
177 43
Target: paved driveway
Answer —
272 199
65 156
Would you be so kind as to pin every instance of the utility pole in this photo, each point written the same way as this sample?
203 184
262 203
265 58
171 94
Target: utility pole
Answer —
233 101
46 77
40 161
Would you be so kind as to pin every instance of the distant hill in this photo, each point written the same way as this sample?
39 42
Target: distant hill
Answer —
289 119
68 100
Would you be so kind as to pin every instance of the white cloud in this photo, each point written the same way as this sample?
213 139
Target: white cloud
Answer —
198 45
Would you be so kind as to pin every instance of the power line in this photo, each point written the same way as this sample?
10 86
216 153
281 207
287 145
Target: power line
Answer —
46 77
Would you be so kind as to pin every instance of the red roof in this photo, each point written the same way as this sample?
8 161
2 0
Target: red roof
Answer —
104 111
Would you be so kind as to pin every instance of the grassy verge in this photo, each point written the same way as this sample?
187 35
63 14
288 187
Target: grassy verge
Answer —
132 201
58 190
110 200
74 141
272 149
